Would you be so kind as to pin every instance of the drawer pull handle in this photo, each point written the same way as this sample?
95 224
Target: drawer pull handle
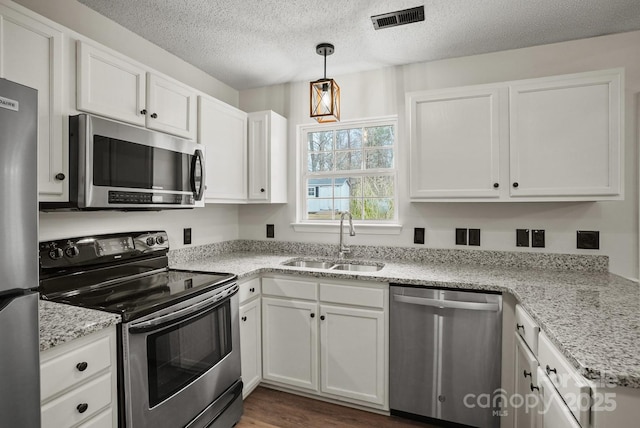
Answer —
527 374
244 318
143 111
520 326
322 317
252 290
82 407
312 315
534 388
82 366
549 370
60 176
154 115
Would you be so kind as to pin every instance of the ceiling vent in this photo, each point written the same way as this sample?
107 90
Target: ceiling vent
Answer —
400 17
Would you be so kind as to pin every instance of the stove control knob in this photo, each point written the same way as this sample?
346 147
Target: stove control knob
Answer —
160 240
56 253
72 251
151 241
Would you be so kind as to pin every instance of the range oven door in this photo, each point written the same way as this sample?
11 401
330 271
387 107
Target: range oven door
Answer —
179 361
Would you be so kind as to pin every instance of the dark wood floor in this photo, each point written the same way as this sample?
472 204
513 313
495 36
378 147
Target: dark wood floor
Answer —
267 408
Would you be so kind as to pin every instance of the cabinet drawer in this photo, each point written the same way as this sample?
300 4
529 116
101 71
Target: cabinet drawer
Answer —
249 290
570 384
527 328
103 420
64 411
352 295
290 288
64 371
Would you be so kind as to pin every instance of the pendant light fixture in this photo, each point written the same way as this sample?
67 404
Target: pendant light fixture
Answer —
325 93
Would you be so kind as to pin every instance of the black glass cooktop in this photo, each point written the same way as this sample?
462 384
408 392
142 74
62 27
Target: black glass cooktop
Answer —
134 298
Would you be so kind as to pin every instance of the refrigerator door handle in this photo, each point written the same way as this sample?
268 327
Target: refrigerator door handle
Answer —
449 304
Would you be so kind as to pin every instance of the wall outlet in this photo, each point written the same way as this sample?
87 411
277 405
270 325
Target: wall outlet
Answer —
537 238
474 237
461 236
522 237
186 236
588 239
271 231
418 235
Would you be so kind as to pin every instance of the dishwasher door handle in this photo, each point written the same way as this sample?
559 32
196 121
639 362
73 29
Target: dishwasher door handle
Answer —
448 304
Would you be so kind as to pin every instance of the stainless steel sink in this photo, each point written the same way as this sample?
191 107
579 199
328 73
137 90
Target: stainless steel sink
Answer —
309 264
314 264
356 267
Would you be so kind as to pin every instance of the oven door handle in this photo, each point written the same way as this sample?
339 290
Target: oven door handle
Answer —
180 314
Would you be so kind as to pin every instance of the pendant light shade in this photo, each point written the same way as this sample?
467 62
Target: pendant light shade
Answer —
324 93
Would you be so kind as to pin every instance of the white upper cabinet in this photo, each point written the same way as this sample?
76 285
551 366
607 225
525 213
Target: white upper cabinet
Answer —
110 86
222 130
31 54
114 86
549 139
171 107
566 135
455 150
267 157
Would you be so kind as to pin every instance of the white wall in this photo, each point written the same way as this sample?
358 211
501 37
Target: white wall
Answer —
86 21
211 224
381 93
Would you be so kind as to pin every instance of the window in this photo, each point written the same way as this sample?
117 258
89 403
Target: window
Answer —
349 167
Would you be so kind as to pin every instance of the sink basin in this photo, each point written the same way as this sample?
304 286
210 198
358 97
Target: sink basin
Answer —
356 267
309 264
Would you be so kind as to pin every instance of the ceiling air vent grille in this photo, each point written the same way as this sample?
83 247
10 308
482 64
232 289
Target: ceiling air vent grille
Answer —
400 17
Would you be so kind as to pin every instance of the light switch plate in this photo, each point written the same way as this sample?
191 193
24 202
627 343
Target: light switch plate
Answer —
418 235
461 236
474 237
522 237
537 238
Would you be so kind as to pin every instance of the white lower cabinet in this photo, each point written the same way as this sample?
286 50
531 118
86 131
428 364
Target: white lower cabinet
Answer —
78 382
250 335
327 338
555 413
526 381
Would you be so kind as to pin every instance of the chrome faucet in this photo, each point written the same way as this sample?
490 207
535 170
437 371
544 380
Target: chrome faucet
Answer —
343 249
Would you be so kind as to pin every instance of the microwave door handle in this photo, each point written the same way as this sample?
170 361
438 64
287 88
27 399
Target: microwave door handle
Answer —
197 160
448 304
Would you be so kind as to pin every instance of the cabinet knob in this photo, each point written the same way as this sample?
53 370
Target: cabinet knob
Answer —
252 290
550 370
244 318
143 111
60 176
322 317
154 115
534 388
261 190
82 407
496 185
520 326
515 184
82 366
527 374
313 315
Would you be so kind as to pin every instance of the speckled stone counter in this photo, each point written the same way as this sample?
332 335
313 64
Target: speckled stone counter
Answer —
592 317
61 323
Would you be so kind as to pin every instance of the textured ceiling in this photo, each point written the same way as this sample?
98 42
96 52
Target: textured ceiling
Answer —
254 43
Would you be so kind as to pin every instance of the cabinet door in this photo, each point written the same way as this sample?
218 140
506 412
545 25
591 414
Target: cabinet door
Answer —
525 375
566 135
259 146
455 143
352 353
171 107
250 345
555 413
31 54
290 342
110 86
222 129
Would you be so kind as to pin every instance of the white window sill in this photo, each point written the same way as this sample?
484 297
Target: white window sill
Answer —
365 229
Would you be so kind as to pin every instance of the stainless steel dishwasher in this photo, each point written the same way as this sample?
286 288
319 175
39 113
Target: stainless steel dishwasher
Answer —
445 356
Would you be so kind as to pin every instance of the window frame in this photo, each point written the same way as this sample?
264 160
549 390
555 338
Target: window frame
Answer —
304 224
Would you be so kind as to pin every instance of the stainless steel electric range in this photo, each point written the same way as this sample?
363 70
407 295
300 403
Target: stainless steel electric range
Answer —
178 343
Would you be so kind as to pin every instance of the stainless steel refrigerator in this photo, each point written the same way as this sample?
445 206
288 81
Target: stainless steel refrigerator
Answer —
19 338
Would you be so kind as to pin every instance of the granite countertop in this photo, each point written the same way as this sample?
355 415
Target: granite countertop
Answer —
60 323
592 317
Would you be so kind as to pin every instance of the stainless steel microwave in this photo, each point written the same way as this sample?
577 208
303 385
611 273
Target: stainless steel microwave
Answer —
117 166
